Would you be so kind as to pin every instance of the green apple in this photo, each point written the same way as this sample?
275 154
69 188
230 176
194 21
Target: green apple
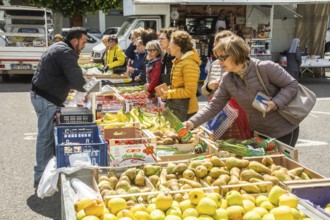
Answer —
185 204
220 214
234 197
215 197
251 215
174 211
206 206
195 195
190 212
157 214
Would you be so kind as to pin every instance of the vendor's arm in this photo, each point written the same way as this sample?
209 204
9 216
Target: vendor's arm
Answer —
72 70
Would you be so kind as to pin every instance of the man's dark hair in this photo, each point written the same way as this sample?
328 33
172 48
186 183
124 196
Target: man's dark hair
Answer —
76 33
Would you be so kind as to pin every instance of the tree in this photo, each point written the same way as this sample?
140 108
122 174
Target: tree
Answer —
70 8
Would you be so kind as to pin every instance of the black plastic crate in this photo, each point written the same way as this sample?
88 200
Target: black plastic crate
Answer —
75 115
77 140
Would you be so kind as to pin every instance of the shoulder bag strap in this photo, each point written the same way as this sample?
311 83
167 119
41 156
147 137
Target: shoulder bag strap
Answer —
260 79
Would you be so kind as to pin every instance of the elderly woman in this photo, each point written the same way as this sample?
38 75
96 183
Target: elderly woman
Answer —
153 66
241 82
181 96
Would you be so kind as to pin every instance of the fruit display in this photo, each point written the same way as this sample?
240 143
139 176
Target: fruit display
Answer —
199 204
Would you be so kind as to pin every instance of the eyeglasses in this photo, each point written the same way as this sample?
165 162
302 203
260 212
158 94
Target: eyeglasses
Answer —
222 58
151 50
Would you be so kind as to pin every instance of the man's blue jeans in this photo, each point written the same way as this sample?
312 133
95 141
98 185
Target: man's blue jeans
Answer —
45 144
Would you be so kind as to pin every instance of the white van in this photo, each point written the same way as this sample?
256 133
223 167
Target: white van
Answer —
124 33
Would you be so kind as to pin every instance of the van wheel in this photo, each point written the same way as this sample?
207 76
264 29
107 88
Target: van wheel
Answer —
5 77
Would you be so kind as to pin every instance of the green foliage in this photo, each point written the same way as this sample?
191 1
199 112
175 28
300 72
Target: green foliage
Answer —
76 7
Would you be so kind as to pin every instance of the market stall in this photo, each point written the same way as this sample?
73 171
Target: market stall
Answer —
143 164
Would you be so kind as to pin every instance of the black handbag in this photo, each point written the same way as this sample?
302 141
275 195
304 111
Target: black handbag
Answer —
179 107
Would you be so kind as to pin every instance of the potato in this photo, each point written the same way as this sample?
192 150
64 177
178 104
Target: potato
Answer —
158 138
160 143
158 133
167 141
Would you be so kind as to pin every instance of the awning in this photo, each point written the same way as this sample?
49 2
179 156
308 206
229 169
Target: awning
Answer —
230 2
280 11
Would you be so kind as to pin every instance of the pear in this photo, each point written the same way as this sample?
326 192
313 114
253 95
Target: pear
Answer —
124 177
217 162
123 184
215 172
224 177
219 182
250 188
248 174
304 176
282 175
251 215
180 168
207 164
150 170
189 174
273 179
267 161
131 173
209 180
140 179
163 201
157 215
154 180
113 180
235 171
195 163
296 171
259 167
206 206
185 186
134 189
263 188
201 171
235 162
192 183
112 173
170 176
275 193
170 167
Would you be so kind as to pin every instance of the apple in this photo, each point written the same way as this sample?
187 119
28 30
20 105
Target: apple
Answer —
195 195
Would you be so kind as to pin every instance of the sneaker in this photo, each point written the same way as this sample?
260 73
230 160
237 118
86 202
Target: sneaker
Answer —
36 183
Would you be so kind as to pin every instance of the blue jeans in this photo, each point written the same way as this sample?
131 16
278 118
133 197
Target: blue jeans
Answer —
45 144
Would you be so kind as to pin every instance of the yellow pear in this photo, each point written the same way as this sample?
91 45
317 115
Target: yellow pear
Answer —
260 199
282 212
275 193
195 195
288 199
185 204
235 212
163 201
234 197
261 211
268 217
220 214
141 215
190 212
125 213
216 197
157 215
249 197
267 205
248 205
251 215
206 206
115 205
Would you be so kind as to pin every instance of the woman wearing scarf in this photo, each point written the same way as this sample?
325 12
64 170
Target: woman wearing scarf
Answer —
294 58
153 66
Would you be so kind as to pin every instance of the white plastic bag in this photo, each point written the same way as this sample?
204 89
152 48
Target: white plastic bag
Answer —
208 65
48 182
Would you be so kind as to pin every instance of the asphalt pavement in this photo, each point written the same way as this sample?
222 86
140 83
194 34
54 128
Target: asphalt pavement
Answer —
17 144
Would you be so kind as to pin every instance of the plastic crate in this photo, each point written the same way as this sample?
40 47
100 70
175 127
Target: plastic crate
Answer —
77 140
75 115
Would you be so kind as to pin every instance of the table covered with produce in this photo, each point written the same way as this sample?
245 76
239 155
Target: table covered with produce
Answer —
141 163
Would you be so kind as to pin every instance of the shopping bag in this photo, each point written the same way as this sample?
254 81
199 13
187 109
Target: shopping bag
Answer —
221 122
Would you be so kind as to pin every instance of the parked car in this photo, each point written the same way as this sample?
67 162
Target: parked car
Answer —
97 33
92 41
111 30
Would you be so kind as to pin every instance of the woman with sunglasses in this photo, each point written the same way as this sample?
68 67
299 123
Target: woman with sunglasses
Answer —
153 66
240 129
181 97
241 82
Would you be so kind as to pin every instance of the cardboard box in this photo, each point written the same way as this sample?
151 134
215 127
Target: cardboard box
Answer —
289 164
106 102
131 146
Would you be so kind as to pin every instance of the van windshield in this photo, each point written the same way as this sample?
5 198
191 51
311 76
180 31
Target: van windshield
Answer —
123 29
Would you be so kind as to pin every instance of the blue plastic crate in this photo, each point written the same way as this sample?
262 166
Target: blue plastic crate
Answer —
80 139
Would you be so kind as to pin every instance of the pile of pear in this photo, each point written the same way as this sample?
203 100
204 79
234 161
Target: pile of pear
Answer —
203 205
169 137
233 171
132 181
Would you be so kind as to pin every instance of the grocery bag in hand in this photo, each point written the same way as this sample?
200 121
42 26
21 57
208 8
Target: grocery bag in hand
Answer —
222 121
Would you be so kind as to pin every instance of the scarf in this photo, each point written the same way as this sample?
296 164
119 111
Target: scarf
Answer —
150 65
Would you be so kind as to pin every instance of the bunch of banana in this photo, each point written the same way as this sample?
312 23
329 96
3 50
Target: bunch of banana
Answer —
109 118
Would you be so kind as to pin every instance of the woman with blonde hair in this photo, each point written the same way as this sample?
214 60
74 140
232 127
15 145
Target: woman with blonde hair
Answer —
181 97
